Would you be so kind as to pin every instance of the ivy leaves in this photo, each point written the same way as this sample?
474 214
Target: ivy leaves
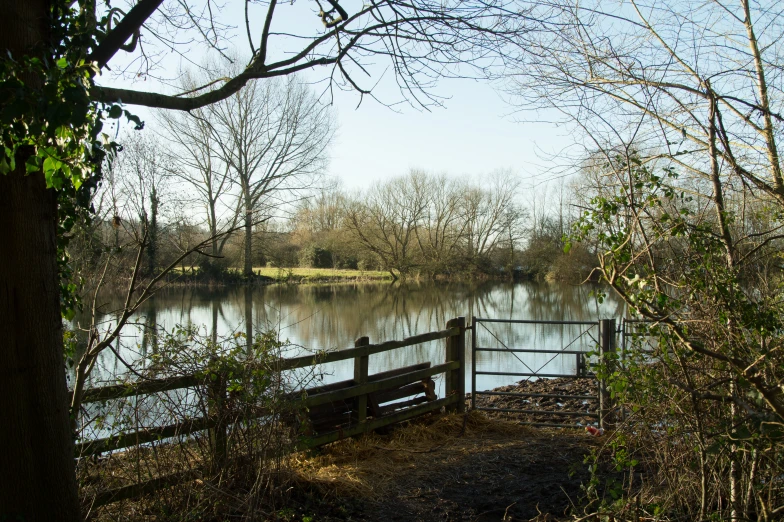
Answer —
48 118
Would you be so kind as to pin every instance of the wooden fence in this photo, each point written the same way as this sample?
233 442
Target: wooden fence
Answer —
362 391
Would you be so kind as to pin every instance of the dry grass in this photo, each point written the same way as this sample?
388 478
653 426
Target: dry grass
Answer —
371 466
447 467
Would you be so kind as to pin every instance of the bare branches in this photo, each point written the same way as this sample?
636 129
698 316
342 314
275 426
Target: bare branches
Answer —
679 122
129 26
423 41
136 294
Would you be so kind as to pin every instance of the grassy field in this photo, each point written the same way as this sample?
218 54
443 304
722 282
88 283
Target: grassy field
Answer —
307 275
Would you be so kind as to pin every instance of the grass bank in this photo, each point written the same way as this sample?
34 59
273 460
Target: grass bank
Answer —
230 276
320 275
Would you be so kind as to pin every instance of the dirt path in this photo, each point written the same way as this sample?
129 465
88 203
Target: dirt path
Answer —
448 468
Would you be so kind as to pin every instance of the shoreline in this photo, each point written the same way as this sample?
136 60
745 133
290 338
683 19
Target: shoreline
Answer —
270 276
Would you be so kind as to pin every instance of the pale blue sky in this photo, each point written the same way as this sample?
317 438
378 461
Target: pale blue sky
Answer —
474 134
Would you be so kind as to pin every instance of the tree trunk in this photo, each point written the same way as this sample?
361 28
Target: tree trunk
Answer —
152 235
249 317
213 229
37 473
38 481
248 270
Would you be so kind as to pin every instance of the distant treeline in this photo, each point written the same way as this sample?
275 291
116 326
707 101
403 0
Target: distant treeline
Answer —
419 225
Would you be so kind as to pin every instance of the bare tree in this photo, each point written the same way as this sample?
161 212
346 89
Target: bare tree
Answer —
486 211
323 211
433 224
681 103
443 227
273 137
194 157
386 219
143 174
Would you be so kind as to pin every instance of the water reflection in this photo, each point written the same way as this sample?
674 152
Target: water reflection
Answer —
330 317
327 317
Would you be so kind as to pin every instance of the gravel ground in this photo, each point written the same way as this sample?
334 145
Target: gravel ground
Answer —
547 407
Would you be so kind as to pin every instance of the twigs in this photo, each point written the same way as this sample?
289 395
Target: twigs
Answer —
134 298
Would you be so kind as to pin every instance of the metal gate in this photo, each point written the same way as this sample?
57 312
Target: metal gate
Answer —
600 336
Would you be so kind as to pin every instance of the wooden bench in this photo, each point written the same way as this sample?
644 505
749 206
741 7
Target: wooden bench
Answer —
341 414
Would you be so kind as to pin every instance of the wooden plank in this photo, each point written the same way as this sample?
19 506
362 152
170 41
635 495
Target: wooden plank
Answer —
398 371
218 414
373 424
340 355
399 393
118 391
340 385
430 389
380 385
144 488
455 346
125 440
326 409
361 366
385 410
324 388
458 376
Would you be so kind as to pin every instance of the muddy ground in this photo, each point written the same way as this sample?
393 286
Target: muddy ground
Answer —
550 410
478 467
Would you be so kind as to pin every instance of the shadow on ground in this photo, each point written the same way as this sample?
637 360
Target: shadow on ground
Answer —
447 467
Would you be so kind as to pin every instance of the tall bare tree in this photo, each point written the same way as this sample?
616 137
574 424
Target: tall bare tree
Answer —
486 210
273 137
443 227
681 104
386 219
143 174
194 157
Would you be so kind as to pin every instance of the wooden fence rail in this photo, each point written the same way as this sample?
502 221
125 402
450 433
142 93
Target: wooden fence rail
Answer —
361 391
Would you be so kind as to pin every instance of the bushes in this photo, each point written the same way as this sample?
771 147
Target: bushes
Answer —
701 383
313 256
238 477
544 257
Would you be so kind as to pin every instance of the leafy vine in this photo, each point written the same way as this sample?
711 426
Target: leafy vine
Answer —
49 121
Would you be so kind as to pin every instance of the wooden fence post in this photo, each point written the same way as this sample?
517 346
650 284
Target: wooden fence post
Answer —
217 411
361 377
581 370
473 362
454 381
606 351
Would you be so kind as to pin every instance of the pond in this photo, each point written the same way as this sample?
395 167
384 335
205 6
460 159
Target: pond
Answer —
331 316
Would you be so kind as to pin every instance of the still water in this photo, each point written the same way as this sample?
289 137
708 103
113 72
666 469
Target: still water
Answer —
329 317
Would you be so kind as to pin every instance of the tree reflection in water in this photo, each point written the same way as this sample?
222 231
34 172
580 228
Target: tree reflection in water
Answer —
328 317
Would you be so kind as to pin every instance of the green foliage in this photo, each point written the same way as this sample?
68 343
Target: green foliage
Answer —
313 256
695 382
48 120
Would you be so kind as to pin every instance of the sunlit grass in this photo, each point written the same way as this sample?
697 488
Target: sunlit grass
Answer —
305 275
319 274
